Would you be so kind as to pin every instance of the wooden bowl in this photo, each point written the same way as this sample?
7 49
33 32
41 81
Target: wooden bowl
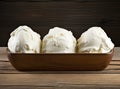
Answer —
58 62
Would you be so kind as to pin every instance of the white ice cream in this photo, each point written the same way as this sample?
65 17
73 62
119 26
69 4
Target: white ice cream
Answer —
94 40
24 40
59 40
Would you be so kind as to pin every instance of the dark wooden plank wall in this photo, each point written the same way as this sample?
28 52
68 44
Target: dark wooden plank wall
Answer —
74 15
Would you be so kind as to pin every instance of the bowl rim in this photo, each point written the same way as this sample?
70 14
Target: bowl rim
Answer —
8 51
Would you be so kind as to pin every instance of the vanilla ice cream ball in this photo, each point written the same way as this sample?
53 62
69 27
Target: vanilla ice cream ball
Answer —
94 40
59 40
24 40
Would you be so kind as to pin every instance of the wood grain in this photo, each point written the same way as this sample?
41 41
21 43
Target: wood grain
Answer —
6 67
57 79
74 15
13 79
61 86
25 87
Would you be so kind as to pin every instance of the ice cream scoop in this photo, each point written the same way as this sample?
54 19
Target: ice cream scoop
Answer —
24 40
94 40
59 40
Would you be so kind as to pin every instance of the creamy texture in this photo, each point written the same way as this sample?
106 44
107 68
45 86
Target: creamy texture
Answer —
94 40
24 40
59 40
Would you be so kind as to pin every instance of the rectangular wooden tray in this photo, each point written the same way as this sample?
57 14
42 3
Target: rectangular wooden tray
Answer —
58 62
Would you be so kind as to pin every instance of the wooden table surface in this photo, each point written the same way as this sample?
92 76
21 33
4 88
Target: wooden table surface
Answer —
13 79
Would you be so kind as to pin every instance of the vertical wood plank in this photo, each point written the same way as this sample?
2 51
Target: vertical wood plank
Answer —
76 16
